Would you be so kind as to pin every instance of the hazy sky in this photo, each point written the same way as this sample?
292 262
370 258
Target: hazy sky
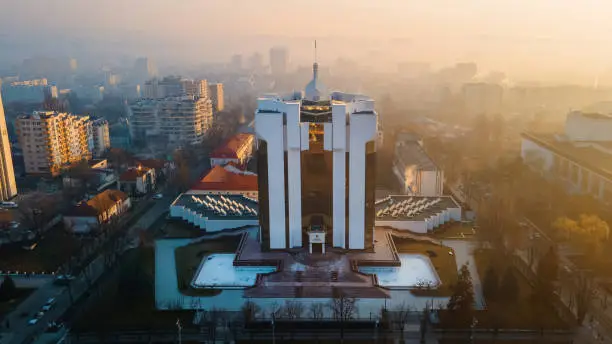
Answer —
521 36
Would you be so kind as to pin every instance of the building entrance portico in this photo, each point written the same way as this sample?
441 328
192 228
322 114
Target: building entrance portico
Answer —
316 238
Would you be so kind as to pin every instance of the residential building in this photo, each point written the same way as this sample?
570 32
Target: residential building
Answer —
580 158
28 91
142 119
101 209
416 172
163 168
197 88
8 187
169 86
100 137
238 149
215 93
184 120
137 180
176 121
144 69
279 59
314 149
51 140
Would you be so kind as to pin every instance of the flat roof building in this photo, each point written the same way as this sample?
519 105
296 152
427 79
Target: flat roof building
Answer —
581 157
416 172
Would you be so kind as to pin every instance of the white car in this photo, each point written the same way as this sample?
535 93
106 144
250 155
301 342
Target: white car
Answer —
50 303
8 205
32 321
158 196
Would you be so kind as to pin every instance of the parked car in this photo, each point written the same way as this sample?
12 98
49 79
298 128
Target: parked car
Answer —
32 321
158 196
8 205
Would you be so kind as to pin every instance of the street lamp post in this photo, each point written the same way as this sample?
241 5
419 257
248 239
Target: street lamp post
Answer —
179 328
273 329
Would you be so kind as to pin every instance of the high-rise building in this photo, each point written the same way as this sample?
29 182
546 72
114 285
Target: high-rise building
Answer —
255 63
215 93
28 91
51 140
100 137
8 187
184 120
177 121
144 69
197 88
314 150
279 59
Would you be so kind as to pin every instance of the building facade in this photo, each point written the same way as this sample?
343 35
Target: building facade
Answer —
99 210
314 149
183 120
215 93
52 140
238 149
580 158
279 59
28 91
8 187
416 172
100 137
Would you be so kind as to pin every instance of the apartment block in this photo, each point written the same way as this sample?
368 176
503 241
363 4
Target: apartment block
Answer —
52 140
100 137
215 93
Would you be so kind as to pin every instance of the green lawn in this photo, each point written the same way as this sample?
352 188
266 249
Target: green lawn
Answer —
188 259
442 261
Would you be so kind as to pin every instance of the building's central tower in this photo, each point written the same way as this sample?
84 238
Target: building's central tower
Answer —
316 156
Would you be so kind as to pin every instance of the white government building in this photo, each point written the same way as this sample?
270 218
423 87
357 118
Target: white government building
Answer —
315 148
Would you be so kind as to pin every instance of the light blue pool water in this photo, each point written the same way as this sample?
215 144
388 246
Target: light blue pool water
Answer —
218 271
415 269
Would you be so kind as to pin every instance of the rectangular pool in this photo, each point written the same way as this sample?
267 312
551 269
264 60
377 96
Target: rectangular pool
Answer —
414 269
217 271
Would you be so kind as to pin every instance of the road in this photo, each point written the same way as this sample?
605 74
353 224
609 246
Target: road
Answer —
20 332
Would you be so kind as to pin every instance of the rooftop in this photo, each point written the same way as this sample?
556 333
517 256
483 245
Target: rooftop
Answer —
412 208
584 153
220 207
133 172
98 204
225 178
230 148
411 153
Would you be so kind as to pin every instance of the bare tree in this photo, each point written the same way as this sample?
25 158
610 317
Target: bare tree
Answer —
584 293
276 311
36 211
293 309
211 320
400 315
343 308
250 310
316 311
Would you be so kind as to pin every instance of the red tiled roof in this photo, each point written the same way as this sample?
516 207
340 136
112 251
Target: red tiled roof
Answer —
133 172
100 203
221 178
229 148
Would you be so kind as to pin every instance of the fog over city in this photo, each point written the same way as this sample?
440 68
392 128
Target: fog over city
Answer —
547 41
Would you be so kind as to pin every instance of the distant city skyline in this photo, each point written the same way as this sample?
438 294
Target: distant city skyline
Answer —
549 40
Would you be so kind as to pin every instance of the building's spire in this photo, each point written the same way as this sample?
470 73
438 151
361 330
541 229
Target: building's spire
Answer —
315 65
315 52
